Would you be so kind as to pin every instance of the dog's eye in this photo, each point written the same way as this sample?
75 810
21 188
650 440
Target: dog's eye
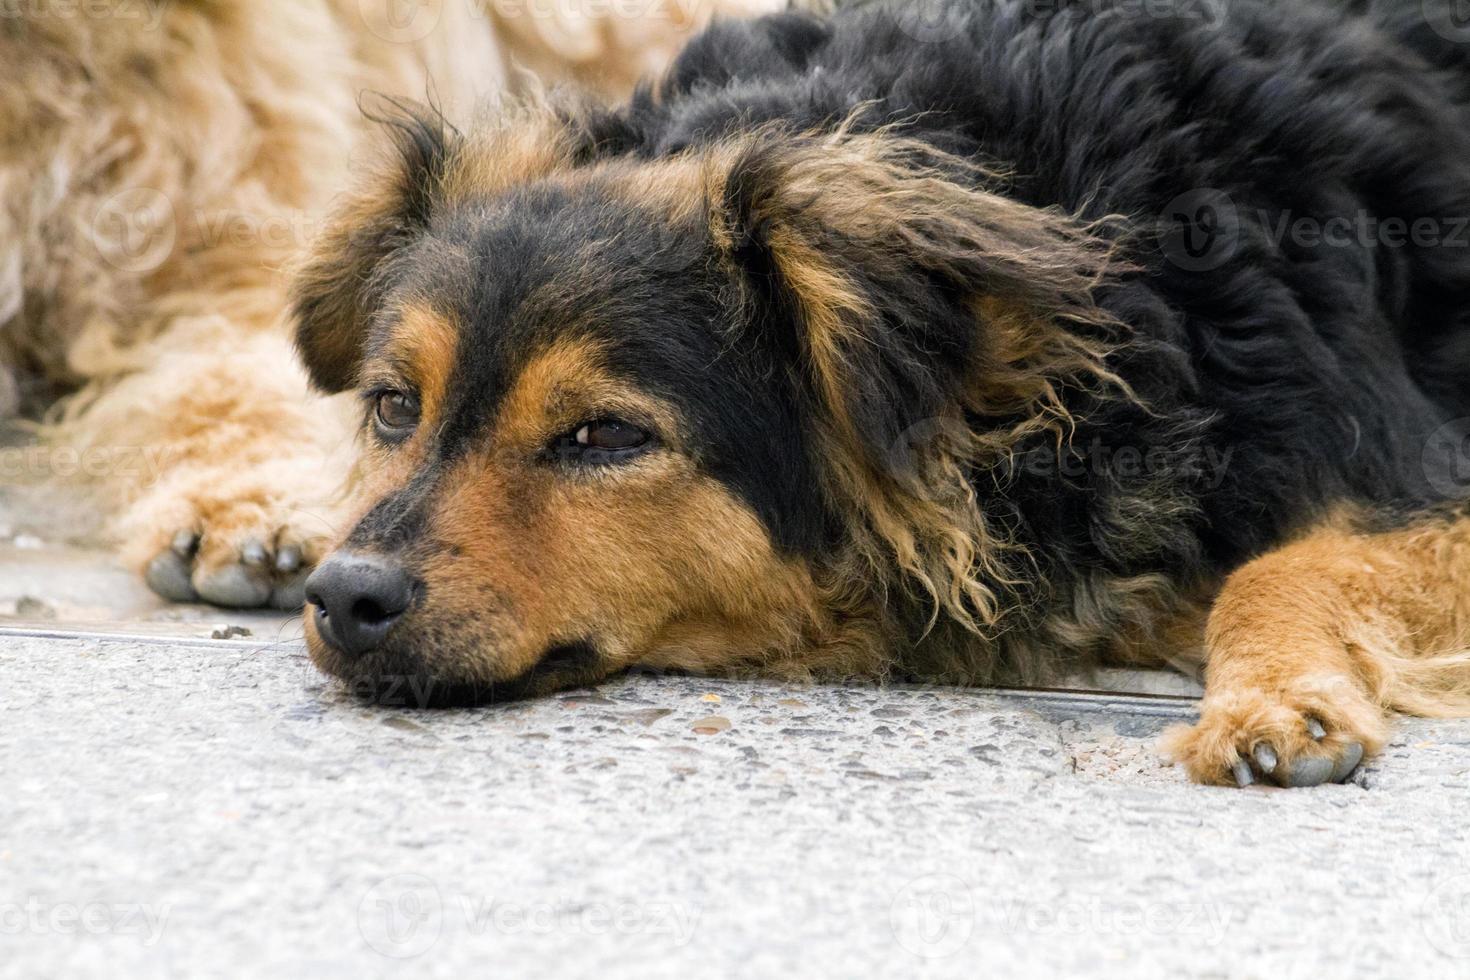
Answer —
397 411
611 435
603 441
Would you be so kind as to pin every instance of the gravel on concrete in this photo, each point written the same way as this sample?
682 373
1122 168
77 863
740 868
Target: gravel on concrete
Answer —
215 808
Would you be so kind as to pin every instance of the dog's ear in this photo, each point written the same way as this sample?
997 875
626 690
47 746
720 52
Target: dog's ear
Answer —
890 258
340 282
428 166
913 301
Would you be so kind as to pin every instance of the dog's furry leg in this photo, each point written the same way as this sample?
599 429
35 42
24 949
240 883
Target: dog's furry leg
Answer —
234 469
1310 645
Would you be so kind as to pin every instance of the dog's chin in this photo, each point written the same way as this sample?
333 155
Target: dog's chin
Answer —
394 688
402 679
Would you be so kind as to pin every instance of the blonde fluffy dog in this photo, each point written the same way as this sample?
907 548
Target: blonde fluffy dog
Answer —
162 163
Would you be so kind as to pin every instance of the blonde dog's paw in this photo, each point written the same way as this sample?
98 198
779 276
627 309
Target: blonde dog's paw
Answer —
246 577
1317 734
239 543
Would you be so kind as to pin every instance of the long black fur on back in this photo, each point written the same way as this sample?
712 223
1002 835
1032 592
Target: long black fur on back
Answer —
1286 373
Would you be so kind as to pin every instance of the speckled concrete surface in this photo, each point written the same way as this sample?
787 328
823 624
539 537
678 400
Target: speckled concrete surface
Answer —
215 808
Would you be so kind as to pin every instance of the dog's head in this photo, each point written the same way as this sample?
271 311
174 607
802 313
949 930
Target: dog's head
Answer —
696 412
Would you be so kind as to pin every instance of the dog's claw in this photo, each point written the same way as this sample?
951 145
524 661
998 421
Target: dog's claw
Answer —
1352 754
184 543
1243 775
253 553
288 559
168 575
1265 757
1315 729
1312 771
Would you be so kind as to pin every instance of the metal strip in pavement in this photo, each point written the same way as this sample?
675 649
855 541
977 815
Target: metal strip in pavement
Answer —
162 639
1088 699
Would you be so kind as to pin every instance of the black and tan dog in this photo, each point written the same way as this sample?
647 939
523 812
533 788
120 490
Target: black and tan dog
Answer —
966 347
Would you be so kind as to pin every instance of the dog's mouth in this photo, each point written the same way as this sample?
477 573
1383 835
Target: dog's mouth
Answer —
405 680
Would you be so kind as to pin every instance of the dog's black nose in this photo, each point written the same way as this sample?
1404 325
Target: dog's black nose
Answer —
357 598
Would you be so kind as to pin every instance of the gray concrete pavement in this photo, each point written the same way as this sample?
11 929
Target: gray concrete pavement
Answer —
202 808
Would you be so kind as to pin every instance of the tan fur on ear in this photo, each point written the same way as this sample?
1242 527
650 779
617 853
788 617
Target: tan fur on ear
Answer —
425 168
844 210
513 143
329 282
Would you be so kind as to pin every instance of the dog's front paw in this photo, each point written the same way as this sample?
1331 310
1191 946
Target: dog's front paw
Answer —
1316 733
236 540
